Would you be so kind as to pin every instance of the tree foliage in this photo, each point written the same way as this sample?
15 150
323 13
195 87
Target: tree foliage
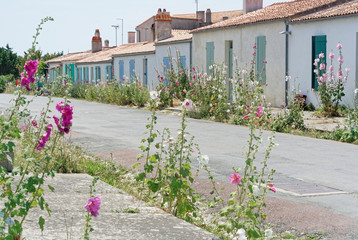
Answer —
8 61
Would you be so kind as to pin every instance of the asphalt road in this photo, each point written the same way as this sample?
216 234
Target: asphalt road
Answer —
326 171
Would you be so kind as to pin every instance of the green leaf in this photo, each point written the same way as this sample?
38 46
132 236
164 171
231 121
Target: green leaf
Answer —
41 223
52 189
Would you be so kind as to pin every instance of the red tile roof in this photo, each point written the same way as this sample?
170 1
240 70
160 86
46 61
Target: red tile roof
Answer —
215 16
275 11
349 8
177 35
70 57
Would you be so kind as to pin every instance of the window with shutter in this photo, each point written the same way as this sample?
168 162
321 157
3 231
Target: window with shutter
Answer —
260 58
121 70
319 44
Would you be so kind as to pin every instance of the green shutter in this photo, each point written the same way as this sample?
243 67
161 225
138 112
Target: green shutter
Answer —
260 58
209 55
319 45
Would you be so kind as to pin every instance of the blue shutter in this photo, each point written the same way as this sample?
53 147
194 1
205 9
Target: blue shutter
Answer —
260 58
183 61
319 44
131 69
95 75
106 76
111 72
166 62
121 70
209 55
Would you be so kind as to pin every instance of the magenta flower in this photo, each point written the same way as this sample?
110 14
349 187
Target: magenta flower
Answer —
176 83
45 137
67 112
246 117
93 205
235 178
31 68
272 188
259 111
34 123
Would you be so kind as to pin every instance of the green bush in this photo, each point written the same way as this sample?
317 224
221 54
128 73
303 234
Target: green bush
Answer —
4 79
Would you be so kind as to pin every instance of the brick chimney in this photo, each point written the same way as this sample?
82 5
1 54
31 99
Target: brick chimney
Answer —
163 25
106 43
131 37
200 16
96 42
252 5
208 16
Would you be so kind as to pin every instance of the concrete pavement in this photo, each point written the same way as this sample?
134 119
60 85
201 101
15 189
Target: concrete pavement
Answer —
318 174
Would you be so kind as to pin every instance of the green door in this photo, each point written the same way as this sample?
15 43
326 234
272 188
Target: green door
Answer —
319 44
260 58
230 63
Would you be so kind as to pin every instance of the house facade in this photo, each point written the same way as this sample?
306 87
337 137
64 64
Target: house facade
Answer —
320 32
268 29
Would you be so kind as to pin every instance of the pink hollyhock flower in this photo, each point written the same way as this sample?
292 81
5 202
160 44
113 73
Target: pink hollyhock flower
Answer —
34 123
194 76
264 61
45 137
188 103
315 71
321 55
348 70
194 69
322 66
339 46
254 47
25 82
272 188
190 84
316 61
259 111
331 55
93 205
283 105
331 68
246 117
67 115
31 67
340 59
235 178
176 83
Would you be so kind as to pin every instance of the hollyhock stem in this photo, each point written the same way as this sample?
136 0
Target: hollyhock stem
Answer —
42 176
41 126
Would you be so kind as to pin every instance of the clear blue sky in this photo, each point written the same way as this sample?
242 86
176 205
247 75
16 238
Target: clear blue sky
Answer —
76 20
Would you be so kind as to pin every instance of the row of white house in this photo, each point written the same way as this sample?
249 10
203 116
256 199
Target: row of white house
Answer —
288 35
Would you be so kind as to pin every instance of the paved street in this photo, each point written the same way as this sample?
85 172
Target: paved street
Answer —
314 172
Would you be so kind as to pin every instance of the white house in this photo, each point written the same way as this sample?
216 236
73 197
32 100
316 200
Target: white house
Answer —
135 60
267 29
321 32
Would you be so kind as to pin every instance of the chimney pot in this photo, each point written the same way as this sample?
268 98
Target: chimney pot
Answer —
96 42
106 43
208 17
131 37
252 5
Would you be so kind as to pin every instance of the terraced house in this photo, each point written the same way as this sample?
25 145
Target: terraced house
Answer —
289 36
159 37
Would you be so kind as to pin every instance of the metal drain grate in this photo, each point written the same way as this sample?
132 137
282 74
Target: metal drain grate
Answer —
301 188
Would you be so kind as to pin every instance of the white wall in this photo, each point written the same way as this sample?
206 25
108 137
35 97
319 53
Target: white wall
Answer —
243 38
139 64
172 48
343 30
103 71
